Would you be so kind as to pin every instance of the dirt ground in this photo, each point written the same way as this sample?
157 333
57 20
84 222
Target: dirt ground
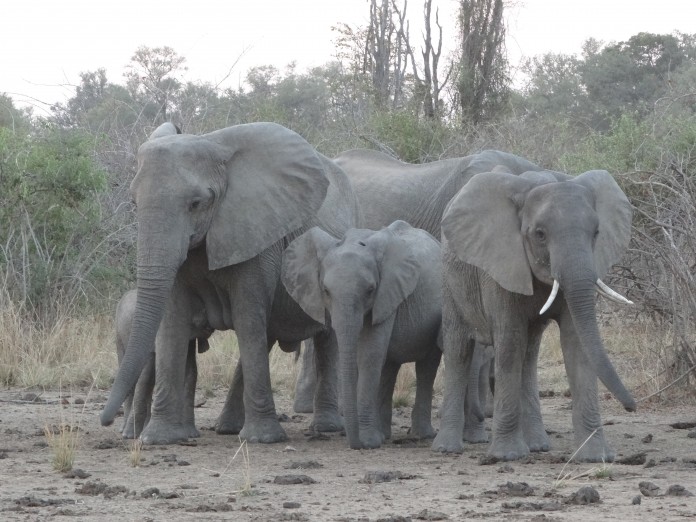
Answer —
317 477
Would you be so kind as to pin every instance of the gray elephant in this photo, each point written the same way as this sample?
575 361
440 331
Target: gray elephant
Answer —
215 213
389 190
519 251
136 407
383 293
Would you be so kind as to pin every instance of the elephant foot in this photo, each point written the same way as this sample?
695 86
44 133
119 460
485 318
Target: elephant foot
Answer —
228 425
538 442
327 421
594 450
265 431
160 432
191 431
512 448
371 438
422 431
448 441
476 434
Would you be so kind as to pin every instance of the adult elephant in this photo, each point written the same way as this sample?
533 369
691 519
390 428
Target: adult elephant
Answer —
136 407
519 251
215 213
383 293
389 190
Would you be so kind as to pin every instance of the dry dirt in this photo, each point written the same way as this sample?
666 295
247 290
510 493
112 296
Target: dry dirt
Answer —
317 477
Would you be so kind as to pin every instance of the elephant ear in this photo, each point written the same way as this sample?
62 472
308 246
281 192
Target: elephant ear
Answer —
399 269
482 226
166 129
300 270
615 214
275 185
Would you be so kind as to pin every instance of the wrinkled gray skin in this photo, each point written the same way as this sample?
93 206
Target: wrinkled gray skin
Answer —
505 239
389 190
382 292
478 402
136 407
215 213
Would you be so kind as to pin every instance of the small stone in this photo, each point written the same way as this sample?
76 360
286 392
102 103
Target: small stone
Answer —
585 495
678 491
430 514
487 460
79 400
183 463
636 459
647 439
507 468
286 480
289 448
650 464
636 500
648 489
291 505
77 473
150 493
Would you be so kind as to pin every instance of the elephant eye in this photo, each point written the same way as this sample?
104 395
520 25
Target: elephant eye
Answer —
195 204
540 235
370 289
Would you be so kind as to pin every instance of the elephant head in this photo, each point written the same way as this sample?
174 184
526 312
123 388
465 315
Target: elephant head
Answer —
237 191
565 234
360 281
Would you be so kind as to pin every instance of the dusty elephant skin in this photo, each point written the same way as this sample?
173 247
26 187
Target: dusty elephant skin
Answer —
383 293
389 190
215 213
506 241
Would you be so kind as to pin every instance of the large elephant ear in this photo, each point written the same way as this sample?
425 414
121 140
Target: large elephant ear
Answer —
615 214
275 185
482 226
399 269
300 270
166 129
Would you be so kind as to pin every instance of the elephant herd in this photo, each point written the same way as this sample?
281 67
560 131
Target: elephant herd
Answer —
249 228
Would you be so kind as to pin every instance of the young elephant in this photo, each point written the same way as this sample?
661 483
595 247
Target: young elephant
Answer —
136 407
382 292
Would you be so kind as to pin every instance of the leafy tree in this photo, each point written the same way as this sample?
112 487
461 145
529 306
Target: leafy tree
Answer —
152 78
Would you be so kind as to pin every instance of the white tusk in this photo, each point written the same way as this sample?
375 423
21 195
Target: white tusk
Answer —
549 301
611 294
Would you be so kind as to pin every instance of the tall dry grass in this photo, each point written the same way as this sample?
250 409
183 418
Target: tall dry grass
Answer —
74 350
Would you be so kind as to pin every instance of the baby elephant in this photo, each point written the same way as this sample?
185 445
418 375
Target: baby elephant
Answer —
136 408
381 292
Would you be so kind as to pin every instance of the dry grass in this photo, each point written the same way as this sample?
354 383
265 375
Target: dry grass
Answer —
74 351
135 452
405 386
63 441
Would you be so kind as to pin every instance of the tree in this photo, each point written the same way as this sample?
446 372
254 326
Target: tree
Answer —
151 77
482 83
429 87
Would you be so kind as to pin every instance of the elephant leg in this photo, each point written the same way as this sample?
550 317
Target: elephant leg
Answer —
306 380
474 415
488 370
387 382
231 418
458 351
141 400
171 351
326 416
532 423
587 423
510 341
421 416
190 391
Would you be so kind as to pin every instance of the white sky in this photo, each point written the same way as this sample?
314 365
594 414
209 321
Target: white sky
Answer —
45 44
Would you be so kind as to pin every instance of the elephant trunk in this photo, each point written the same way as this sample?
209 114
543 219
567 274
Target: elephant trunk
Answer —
158 263
347 335
579 292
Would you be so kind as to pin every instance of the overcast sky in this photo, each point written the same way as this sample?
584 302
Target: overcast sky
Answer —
47 43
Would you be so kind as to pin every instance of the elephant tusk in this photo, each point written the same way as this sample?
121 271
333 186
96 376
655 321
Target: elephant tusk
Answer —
607 292
549 301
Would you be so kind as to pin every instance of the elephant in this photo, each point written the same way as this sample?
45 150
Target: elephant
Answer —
382 293
136 408
215 214
389 190
518 252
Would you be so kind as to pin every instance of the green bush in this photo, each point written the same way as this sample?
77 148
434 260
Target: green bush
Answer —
49 214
